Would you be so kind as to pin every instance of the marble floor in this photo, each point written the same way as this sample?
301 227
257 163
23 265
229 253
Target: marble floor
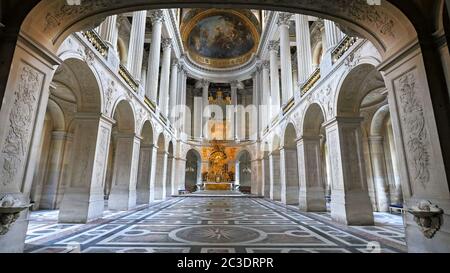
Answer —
213 224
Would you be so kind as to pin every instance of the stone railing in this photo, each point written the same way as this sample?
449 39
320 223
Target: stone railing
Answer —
128 78
96 41
313 79
343 47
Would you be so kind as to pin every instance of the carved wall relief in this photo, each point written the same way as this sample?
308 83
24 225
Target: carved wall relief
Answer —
21 120
414 126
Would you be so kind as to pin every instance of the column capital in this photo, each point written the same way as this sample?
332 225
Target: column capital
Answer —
166 43
283 19
175 62
156 16
202 84
274 45
265 64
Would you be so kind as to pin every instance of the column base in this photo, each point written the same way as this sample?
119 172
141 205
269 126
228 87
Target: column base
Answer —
80 206
122 199
143 196
312 200
351 208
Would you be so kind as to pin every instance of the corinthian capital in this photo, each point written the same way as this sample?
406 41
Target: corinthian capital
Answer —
166 43
273 45
156 16
283 18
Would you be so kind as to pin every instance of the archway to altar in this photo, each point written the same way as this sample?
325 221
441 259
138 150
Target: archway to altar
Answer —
193 170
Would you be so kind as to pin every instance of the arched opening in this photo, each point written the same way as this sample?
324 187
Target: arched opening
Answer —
170 161
290 174
275 179
312 188
146 161
77 91
161 169
193 170
243 172
48 185
266 169
125 145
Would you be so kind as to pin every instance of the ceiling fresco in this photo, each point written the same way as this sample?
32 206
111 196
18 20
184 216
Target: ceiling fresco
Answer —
218 38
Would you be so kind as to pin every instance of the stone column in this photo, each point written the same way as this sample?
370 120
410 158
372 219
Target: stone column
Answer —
283 181
350 202
180 164
108 31
304 57
333 35
266 101
257 178
83 199
157 18
136 48
144 174
289 176
376 145
173 88
183 78
275 188
123 191
312 190
165 76
274 79
285 57
53 181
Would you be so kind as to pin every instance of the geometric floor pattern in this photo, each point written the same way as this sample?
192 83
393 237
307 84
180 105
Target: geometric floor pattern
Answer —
214 225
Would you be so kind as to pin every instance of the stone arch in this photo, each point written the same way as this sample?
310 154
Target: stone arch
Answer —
289 166
193 170
146 160
317 54
354 86
125 149
378 120
384 25
313 160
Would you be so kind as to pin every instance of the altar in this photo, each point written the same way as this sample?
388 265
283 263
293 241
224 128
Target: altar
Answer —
214 186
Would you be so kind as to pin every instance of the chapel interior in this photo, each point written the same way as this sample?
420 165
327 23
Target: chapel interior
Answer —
224 127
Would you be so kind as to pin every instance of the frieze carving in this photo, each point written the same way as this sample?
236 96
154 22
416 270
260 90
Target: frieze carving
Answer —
415 129
21 121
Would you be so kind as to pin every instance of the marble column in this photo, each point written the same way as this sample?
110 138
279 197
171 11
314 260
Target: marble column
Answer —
312 190
157 18
83 199
53 181
274 79
166 45
234 103
136 48
275 186
256 177
304 57
144 174
173 88
266 100
376 145
333 35
350 202
285 57
183 79
109 32
123 191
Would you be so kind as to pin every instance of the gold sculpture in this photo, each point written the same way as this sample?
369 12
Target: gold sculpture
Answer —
218 165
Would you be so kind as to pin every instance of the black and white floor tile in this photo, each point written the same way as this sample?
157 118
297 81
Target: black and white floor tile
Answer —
213 225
